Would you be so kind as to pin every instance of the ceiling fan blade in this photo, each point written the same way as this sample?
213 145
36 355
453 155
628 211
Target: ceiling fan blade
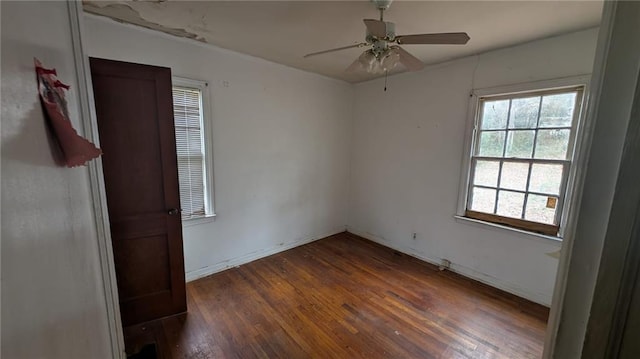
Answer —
409 61
376 28
337 49
445 38
354 65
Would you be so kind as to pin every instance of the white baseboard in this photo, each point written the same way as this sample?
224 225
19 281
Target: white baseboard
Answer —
460 269
250 257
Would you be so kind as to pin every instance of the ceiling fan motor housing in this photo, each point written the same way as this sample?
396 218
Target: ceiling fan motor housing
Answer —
391 30
390 34
379 47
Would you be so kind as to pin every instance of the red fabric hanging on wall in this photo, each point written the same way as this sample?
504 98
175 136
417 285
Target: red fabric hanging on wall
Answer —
77 151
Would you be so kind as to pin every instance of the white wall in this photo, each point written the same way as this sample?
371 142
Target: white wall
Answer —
280 142
406 163
52 295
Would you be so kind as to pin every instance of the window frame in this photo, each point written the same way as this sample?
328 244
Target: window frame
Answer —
207 138
567 197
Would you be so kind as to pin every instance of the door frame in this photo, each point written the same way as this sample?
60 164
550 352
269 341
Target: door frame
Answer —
562 273
620 261
96 181
590 288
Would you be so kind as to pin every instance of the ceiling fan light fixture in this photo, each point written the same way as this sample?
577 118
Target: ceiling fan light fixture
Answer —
378 63
369 62
389 59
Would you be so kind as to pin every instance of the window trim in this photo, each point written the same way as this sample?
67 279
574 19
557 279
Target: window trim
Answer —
207 133
570 185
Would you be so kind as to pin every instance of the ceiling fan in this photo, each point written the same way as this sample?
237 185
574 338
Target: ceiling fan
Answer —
383 53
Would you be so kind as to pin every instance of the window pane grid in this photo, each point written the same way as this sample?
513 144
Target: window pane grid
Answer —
519 143
504 145
514 159
499 187
535 138
519 191
495 202
533 128
548 92
506 135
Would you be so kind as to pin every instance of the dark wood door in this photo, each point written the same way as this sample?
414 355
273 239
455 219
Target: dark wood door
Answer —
134 109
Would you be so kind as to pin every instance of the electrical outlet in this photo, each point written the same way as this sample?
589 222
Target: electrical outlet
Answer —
444 264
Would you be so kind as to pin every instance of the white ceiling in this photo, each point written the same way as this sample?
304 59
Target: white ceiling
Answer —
284 31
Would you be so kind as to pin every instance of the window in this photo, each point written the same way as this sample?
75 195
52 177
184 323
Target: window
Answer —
521 158
192 142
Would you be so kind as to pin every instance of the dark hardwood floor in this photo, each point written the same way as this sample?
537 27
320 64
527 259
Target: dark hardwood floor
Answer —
345 297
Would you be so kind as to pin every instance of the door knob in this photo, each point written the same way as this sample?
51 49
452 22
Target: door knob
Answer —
173 211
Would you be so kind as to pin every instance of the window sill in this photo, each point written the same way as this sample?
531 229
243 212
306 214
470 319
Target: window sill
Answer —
199 220
500 227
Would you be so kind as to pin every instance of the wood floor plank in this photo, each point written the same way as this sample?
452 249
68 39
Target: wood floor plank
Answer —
346 297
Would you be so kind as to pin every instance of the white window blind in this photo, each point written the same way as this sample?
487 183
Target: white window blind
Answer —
188 117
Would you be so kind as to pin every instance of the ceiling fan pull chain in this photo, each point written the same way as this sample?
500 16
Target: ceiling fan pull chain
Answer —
385 79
